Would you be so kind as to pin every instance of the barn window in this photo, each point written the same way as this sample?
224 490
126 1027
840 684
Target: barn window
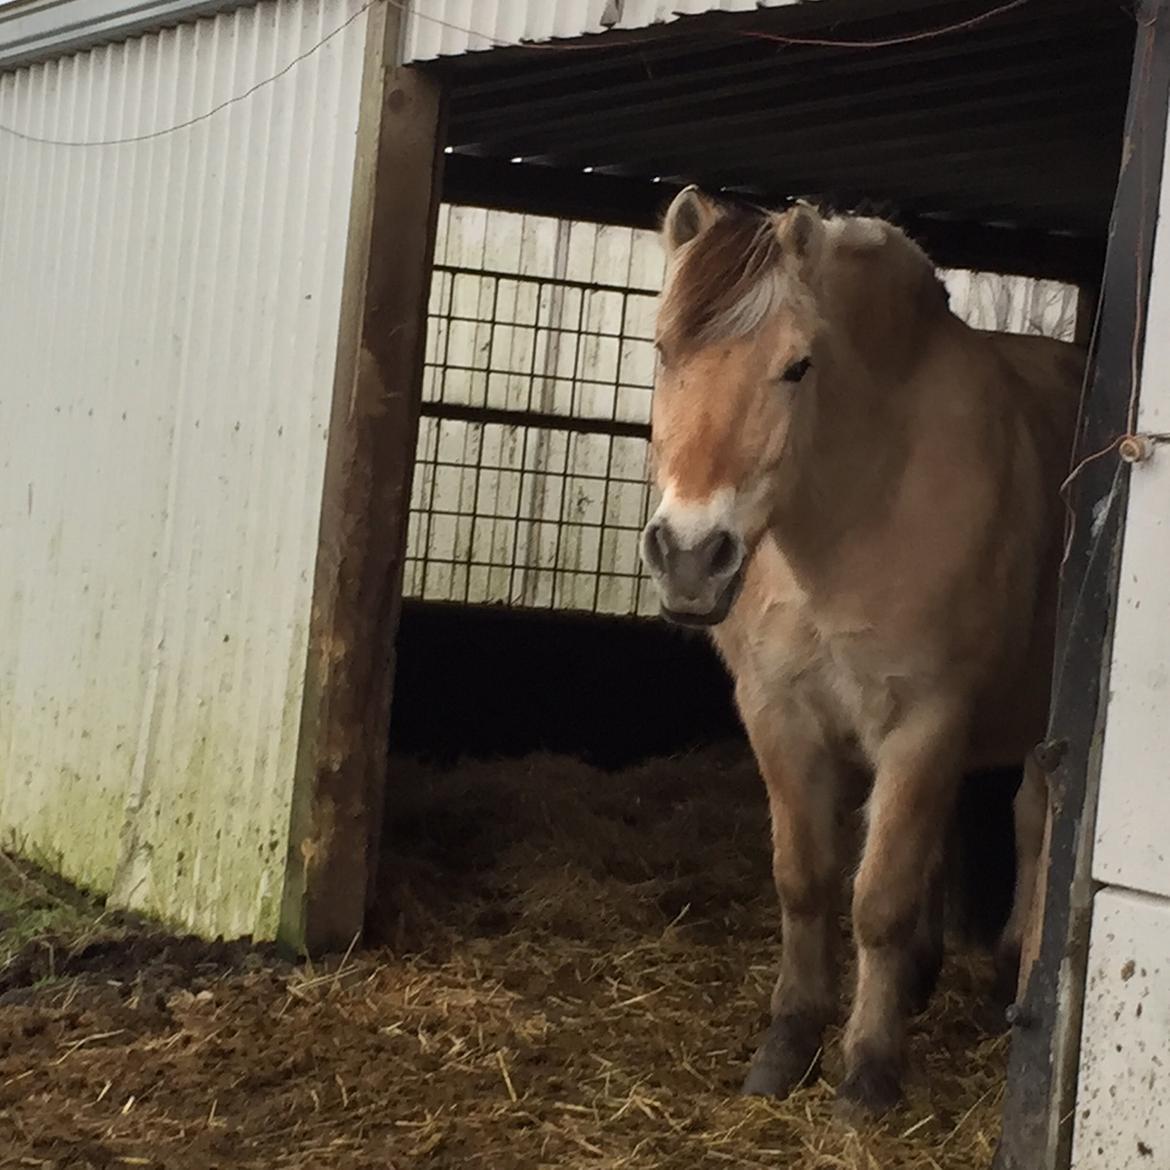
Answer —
530 481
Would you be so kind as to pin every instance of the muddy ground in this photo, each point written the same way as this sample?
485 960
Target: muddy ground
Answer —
572 969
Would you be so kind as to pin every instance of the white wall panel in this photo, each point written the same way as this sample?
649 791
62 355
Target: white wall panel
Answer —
1122 1115
168 324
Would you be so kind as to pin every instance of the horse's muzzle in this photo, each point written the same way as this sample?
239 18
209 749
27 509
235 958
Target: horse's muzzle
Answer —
712 617
699 580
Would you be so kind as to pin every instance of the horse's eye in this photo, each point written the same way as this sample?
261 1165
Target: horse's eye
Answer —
797 370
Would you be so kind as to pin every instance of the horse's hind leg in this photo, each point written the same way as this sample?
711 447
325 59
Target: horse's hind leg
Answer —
915 783
1030 811
926 952
803 796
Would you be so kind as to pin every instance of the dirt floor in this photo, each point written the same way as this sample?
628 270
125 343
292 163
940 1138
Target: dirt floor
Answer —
575 967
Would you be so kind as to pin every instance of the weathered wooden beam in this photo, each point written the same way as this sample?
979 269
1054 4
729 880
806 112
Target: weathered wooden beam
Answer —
1042 1072
341 768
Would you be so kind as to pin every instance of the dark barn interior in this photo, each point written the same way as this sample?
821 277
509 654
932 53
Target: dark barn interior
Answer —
491 683
991 132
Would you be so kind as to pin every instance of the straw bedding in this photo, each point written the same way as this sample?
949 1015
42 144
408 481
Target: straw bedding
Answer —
569 970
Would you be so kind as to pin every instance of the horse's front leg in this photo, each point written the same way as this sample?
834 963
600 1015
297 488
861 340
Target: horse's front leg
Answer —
803 796
916 777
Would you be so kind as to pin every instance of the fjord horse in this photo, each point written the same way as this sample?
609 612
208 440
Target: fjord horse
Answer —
860 496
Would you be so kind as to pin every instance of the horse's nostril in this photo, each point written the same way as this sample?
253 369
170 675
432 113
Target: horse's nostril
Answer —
663 542
725 554
657 546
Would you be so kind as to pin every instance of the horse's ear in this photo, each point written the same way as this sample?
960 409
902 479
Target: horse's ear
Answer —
802 232
690 213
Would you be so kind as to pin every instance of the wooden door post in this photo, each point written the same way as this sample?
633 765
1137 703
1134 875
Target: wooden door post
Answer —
341 765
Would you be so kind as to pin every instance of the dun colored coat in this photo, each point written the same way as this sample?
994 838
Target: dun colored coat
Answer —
861 499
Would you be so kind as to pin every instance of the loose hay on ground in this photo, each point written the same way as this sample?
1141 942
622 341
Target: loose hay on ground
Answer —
578 964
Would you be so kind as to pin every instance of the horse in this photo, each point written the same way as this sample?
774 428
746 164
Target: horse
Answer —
860 499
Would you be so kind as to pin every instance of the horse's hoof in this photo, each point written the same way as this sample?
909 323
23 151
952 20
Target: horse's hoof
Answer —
871 1088
786 1060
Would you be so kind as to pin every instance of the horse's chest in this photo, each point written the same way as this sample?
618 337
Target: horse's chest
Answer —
839 685
840 677
856 684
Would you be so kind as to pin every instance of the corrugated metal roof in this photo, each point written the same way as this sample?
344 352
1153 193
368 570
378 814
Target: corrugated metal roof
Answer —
168 322
444 28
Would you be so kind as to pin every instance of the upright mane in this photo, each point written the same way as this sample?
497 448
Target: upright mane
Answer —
881 242
726 280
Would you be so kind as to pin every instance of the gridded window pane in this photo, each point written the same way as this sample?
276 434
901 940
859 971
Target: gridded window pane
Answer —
533 516
530 480
638 361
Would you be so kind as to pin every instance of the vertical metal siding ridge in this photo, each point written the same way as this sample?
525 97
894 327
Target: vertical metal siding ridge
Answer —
447 28
169 318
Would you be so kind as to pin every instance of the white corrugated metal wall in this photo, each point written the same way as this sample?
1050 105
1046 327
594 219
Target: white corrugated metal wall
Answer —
536 515
168 324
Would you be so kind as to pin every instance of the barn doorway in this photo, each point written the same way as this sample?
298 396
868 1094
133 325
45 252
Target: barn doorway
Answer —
570 776
528 134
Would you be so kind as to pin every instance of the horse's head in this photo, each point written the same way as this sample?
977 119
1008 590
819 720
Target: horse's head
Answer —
738 341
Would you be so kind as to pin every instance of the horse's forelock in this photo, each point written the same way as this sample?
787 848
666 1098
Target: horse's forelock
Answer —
724 283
